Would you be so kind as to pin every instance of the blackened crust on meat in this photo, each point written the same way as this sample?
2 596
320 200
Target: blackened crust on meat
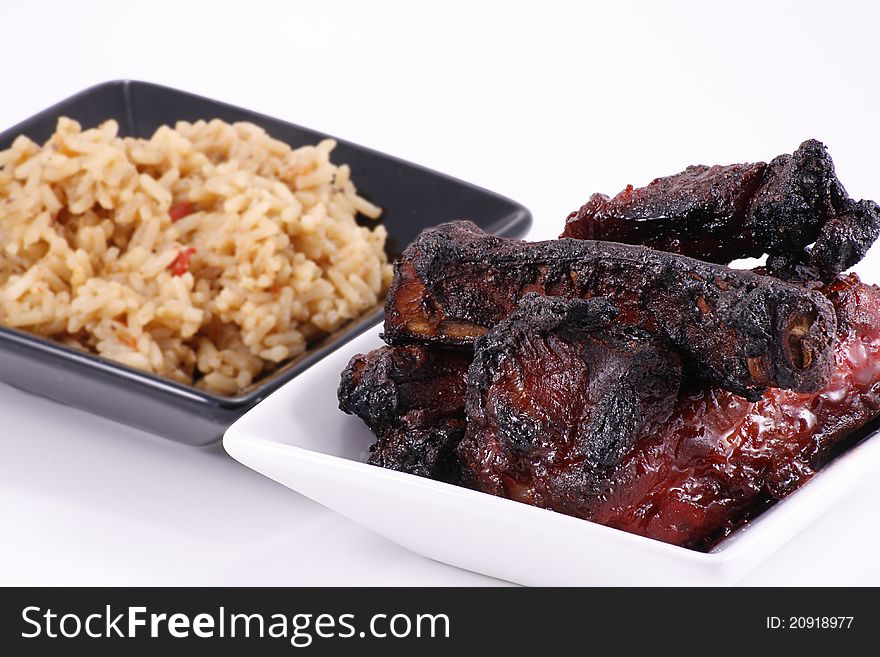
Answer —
412 397
845 238
801 201
721 213
739 330
423 451
556 386
700 212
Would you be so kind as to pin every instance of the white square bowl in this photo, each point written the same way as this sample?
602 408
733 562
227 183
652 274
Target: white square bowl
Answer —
300 438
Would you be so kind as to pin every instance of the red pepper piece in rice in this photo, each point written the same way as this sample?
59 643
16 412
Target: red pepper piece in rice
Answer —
181 210
180 265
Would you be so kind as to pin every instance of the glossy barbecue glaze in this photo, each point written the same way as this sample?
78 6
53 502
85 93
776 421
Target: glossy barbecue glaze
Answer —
560 384
718 458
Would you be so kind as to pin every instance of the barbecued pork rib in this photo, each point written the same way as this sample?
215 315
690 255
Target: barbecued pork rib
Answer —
734 328
721 213
717 459
412 397
557 386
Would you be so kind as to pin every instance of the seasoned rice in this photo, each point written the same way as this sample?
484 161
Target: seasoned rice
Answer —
207 253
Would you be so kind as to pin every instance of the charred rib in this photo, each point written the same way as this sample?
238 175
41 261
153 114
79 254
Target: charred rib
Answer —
721 213
412 397
741 331
556 385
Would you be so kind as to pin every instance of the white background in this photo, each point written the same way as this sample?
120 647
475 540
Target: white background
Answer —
545 102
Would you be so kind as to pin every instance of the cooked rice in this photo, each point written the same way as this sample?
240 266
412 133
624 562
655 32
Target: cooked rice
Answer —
97 255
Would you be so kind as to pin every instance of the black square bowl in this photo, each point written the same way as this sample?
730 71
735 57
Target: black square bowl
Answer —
412 198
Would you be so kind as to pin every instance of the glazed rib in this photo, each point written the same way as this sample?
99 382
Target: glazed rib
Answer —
557 385
717 459
412 397
733 328
721 213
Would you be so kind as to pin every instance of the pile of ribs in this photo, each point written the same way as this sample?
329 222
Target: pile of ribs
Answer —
624 373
